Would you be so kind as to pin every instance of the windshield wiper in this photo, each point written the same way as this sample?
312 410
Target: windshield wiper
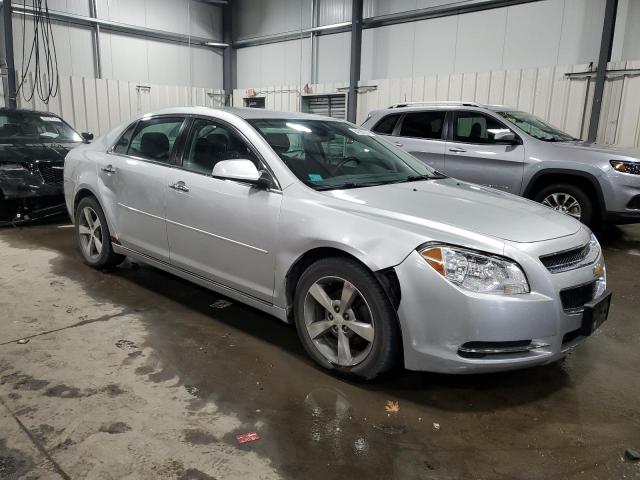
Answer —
418 178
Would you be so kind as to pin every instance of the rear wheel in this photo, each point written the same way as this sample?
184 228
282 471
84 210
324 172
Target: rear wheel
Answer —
569 199
345 320
92 234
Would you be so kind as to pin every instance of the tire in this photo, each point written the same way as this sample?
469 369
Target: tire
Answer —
560 194
369 305
104 256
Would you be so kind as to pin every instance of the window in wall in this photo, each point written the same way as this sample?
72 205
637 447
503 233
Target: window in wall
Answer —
326 105
474 127
423 125
154 138
387 124
212 142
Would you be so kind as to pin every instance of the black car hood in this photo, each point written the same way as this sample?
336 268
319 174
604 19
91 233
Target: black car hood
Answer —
25 153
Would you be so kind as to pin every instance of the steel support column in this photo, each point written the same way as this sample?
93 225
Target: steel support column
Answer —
97 59
601 73
356 56
228 54
9 68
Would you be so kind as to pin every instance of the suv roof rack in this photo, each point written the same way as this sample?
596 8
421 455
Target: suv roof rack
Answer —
434 104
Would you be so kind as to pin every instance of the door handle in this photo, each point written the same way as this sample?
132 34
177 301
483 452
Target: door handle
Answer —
180 186
397 144
457 150
108 169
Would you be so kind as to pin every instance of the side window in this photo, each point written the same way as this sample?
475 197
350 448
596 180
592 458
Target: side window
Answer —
122 144
154 138
423 125
475 127
211 142
387 124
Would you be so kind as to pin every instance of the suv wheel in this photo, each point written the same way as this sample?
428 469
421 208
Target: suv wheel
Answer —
569 199
92 234
345 320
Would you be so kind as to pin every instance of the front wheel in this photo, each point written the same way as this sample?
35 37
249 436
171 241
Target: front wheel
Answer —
568 199
92 234
345 320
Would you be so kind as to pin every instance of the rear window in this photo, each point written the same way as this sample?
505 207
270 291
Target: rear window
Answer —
387 124
423 125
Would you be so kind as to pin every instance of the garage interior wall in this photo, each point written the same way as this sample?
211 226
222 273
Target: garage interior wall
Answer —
518 55
132 57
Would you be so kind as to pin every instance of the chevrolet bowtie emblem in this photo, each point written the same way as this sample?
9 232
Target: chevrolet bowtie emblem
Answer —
597 270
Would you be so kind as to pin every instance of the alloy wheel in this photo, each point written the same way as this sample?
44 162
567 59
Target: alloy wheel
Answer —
90 231
565 203
339 321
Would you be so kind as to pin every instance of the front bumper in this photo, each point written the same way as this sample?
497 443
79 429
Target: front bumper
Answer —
439 320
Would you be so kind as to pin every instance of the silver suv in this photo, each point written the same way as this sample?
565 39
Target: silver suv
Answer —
518 153
373 255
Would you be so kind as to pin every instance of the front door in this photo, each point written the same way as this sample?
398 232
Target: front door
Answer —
142 173
223 230
474 156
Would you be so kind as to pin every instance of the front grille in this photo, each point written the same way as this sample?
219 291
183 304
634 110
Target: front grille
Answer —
51 173
558 262
573 299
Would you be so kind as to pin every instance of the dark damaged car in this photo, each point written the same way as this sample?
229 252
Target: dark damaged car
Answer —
33 146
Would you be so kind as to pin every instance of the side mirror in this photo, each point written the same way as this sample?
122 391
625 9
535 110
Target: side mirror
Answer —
86 137
242 171
505 137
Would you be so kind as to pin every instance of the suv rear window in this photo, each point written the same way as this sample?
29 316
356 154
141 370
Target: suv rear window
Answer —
387 124
423 125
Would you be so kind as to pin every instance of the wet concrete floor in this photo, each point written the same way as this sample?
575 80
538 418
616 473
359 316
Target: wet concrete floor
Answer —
134 374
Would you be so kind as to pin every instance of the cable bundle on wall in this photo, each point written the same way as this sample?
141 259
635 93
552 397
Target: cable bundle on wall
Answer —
42 54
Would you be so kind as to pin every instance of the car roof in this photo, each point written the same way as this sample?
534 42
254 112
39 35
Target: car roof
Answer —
419 106
27 111
241 112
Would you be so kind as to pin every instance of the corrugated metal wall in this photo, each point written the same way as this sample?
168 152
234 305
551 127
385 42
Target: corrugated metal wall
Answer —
97 105
547 92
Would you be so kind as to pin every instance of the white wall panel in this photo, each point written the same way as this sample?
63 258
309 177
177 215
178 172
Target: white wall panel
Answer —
333 11
547 32
97 105
274 64
334 54
264 17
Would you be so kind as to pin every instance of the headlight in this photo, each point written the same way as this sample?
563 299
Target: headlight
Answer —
475 271
626 167
599 269
12 167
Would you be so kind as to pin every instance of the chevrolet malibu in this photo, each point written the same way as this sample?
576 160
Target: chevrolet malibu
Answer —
374 256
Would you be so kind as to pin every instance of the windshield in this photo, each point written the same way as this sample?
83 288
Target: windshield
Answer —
329 155
536 127
27 127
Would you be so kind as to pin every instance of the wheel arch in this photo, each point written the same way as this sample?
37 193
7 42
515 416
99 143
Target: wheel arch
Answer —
584 180
387 277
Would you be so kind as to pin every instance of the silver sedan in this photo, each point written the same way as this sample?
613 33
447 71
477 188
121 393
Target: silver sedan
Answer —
376 258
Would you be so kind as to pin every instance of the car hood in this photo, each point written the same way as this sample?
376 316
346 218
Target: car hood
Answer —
449 202
602 148
32 152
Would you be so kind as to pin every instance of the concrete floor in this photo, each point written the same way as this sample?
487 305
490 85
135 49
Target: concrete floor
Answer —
132 374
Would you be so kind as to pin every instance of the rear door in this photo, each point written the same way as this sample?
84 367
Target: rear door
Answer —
141 173
421 134
473 155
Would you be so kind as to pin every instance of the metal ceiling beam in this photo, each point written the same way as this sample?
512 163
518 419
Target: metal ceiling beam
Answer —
454 8
10 89
122 27
606 42
293 35
229 66
356 57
